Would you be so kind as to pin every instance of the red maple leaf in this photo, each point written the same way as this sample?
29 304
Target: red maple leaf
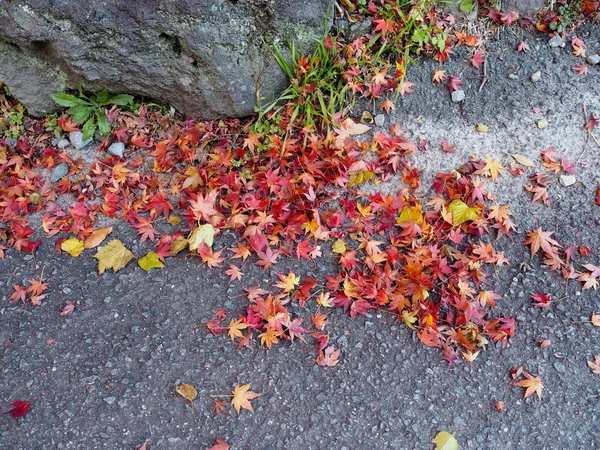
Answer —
591 123
454 83
19 409
477 59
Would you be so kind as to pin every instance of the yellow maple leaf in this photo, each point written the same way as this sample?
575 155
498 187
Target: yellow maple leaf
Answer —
288 282
113 255
492 168
531 384
72 246
269 337
235 328
241 396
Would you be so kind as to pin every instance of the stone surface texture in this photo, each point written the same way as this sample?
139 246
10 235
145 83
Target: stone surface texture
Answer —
207 58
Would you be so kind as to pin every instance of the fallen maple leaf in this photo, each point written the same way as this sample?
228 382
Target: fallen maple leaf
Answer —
541 239
523 47
541 300
288 282
492 168
19 409
68 309
241 396
477 59
329 357
454 83
235 328
219 444
439 76
447 147
532 385
595 365
581 69
595 319
113 255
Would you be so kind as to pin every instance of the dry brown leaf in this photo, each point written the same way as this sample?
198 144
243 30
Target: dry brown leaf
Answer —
523 160
187 391
595 365
97 236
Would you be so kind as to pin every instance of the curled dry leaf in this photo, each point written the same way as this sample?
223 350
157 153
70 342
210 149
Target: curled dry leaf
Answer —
187 391
97 236
595 365
220 444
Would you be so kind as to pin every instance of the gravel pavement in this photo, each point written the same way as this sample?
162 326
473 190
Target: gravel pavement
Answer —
108 379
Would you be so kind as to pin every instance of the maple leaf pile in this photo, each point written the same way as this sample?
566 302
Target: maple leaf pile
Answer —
298 197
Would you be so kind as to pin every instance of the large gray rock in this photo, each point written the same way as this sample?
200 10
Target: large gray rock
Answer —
206 58
524 7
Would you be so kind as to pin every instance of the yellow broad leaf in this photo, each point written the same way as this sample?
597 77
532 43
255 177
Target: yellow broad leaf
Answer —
541 124
178 244
413 213
97 236
360 177
235 328
339 247
445 441
174 219
482 128
523 160
72 246
150 261
113 255
187 391
531 384
461 212
204 234
241 396
595 319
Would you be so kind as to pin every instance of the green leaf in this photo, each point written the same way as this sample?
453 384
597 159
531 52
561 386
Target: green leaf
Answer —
68 100
89 128
466 5
80 113
101 97
103 124
461 212
445 441
150 261
119 100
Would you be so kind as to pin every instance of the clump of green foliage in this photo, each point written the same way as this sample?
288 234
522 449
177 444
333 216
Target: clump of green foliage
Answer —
316 89
89 111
